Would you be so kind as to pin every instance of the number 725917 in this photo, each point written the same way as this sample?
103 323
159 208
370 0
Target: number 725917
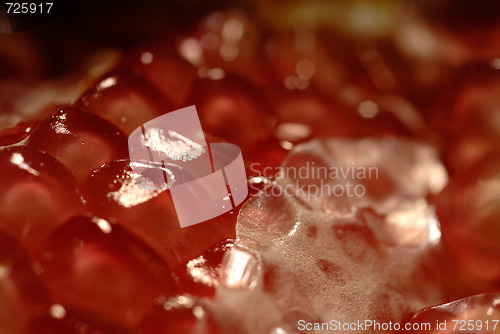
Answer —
28 7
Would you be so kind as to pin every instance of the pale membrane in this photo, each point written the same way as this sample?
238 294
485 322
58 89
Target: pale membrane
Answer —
321 258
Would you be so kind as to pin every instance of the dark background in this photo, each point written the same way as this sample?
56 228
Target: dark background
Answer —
75 28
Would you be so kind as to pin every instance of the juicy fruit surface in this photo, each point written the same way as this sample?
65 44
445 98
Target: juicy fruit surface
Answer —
468 210
92 264
373 178
37 194
125 100
21 291
112 191
80 140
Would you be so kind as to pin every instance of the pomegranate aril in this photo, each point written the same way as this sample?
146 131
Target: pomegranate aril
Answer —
323 116
291 58
39 182
125 100
93 264
475 314
226 40
201 276
381 123
179 314
298 60
63 320
22 295
472 129
266 155
464 150
233 109
469 212
15 134
165 69
115 191
378 115
80 140
474 102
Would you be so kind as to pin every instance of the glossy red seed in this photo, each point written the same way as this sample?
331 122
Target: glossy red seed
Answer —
475 314
112 191
80 140
227 40
382 124
201 276
378 115
165 69
469 213
265 156
464 150
233 109
63 320
476 104
359 113
179 314
37 194
322 116
474 128
93 264
125 100
16 133
299 59
22 294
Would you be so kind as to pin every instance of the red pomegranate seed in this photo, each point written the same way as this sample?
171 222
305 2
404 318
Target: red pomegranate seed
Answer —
298 59
125 100
464 150
474 129
38 182
378 115
16 133
93 264
166 70
233 109
323 116
266 155
80 140
179 314
476 314
469 213
64 320
384 123
22 294
112 191
200 276
227 40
